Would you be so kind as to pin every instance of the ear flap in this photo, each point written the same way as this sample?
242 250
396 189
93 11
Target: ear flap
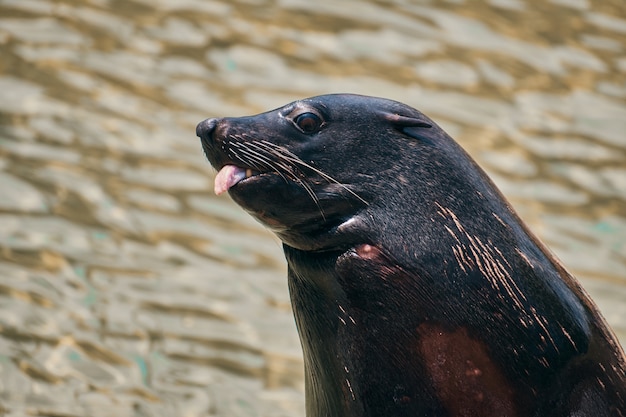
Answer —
410 126
404 121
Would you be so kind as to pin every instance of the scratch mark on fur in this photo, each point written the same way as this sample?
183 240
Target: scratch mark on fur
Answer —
568 336
348 384
542 322
487 258
523 255
475 254
500 220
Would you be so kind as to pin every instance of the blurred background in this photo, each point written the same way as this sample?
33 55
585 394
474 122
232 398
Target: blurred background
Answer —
128 289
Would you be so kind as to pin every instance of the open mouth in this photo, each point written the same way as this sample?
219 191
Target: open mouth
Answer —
229 175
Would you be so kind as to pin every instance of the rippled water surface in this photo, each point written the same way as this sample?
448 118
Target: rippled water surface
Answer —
128 289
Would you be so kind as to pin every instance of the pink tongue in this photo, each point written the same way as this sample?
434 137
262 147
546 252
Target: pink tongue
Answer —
228 176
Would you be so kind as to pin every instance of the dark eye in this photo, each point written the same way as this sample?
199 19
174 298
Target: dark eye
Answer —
308 122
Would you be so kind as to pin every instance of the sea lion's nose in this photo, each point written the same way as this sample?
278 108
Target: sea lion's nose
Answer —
206 127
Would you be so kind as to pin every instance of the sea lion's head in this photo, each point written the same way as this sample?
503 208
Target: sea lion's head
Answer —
309 169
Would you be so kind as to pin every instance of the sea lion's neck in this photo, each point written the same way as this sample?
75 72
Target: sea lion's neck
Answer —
315 304
345 342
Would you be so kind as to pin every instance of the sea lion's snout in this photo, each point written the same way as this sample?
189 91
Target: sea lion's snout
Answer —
206 127
212 133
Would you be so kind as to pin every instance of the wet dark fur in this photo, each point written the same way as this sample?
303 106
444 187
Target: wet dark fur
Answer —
416 289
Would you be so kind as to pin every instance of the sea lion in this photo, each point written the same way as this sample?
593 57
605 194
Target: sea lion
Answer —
416 289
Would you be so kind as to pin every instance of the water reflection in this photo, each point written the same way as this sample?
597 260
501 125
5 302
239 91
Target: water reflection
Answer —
127 288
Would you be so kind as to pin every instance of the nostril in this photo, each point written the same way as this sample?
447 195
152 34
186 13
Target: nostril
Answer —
205 128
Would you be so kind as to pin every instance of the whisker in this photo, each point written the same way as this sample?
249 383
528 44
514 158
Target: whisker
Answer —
291 157
263 155
289 171
257 160
248 160
264 162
